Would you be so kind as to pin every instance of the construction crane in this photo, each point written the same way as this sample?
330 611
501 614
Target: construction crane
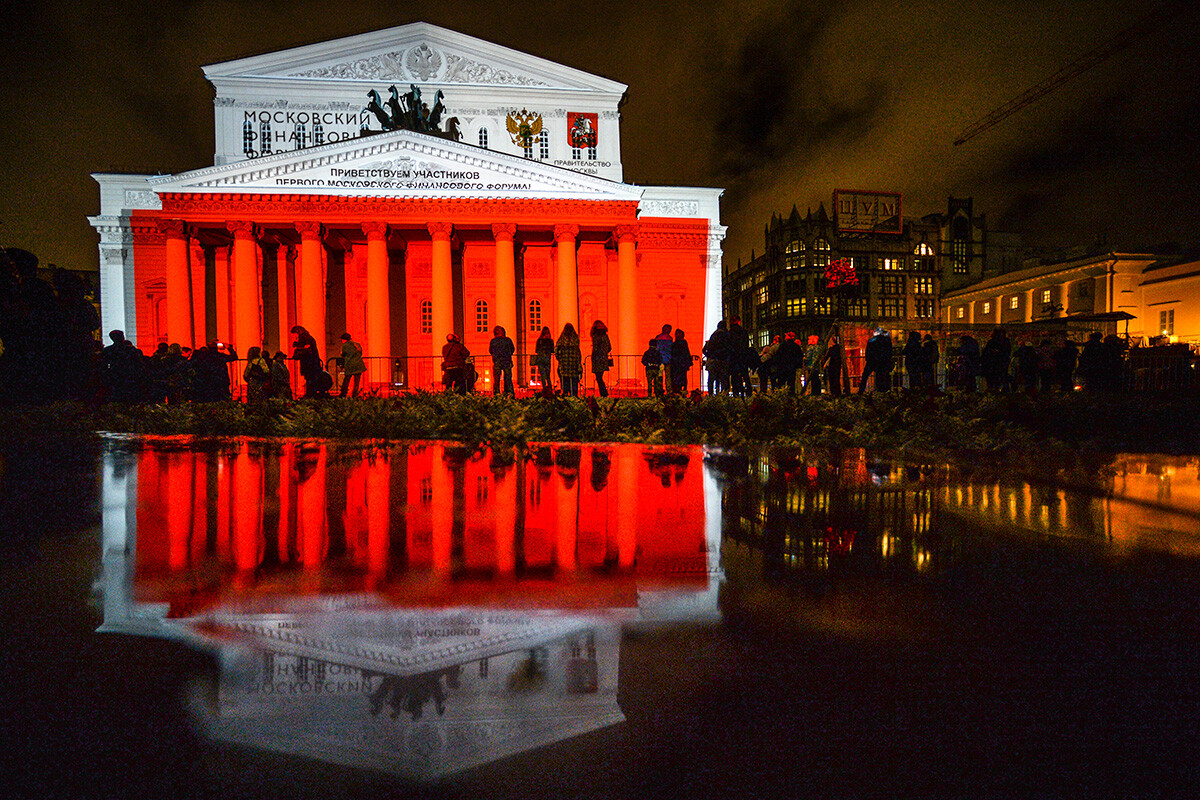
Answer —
1085 62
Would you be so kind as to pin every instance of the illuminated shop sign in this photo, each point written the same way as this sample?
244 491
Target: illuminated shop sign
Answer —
867 212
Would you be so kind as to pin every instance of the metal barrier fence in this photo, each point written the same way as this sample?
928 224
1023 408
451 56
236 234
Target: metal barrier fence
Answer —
1145 369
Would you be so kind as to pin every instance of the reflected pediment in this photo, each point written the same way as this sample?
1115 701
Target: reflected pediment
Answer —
398 164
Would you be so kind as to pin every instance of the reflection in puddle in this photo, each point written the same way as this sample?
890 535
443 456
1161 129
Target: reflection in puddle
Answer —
421 609
418 609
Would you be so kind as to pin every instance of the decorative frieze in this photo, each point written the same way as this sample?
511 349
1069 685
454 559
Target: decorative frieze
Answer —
422 63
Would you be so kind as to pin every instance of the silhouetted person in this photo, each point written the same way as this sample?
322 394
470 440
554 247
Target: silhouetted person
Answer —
353 365
994 360
1091 361
210 372
454 365
718 353
601 355
652 363
281 378
501 349
878 362
913 357
664 342
681 362
739 358
543 352
929 363
570 360
308 360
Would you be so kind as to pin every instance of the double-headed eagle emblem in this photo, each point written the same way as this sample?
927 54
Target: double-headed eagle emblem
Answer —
524 127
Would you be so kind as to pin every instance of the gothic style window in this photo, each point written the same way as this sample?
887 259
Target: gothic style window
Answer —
535 316
960 257
891 307
264 134
544 145
823 305
924 257
318 134
892 284
923 284
821 259
426 316
301 136
793 254
924 308
248 138
857 308
483 138
481 316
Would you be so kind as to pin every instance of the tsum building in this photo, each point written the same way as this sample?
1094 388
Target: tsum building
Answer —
400 186
900 265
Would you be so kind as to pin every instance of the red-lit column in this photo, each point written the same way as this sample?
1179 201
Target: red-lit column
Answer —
311 526
310 291
284 274
179 483
247 294
568 277
180 326
627 328
379 320
199 298
223 284
506 278
443 285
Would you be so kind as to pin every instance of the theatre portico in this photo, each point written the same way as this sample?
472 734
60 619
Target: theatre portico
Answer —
401 237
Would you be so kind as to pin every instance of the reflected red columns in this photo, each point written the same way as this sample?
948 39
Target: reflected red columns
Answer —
179 485
506 521
248 500
506 279
568 277
311 528
180 326
442 484
379 515
443 284
627 490
247 294
379 322
310 292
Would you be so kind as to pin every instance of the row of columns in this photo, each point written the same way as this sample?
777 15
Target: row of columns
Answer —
310 283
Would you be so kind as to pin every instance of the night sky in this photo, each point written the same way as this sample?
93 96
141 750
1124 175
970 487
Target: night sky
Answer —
777 102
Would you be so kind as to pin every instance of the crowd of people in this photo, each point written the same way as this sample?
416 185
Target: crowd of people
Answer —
48 351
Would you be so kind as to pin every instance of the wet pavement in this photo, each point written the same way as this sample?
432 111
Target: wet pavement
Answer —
296 619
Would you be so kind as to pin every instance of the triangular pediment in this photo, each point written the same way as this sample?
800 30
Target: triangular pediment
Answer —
417 53
399 164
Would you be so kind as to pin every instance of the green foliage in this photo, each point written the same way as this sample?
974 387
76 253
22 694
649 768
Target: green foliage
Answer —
1059 434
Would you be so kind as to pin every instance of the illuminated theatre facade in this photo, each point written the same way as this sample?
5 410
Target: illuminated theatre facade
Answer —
504 204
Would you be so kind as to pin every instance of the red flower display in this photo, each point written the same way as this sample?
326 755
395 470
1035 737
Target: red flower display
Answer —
840 272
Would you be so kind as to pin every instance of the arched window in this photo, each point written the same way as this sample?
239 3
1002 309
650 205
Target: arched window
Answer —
481 316
923 249
248 138
535 316
821 259
544 144
426 316
301 136
591 154
318 134
793 254
483 138
264 134
924 257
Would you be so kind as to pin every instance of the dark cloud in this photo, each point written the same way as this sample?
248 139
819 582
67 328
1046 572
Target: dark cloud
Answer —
778 101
